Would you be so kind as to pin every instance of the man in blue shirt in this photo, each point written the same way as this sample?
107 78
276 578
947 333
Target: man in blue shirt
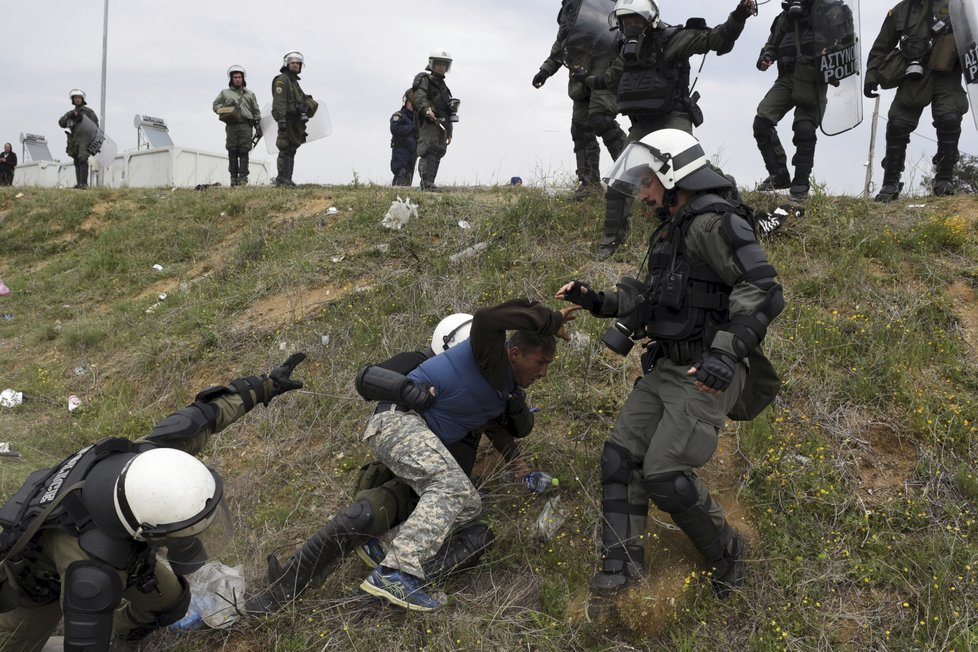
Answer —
470 385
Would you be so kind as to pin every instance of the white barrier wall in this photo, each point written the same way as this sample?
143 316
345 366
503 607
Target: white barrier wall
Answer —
147 168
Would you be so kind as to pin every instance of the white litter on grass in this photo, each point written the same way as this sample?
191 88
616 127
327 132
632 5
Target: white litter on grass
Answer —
282 346
332 210
73 403
469 252
336 259
18 195
158 267
400 213
11 398
579 340
162 296
7 450
4 290
462 224
916 205
324 339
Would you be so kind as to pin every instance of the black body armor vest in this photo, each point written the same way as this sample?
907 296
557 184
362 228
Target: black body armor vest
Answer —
649 86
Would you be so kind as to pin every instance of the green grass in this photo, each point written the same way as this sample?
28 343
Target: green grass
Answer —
857 488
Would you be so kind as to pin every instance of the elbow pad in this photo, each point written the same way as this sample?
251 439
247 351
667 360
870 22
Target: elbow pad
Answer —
375 383
748 330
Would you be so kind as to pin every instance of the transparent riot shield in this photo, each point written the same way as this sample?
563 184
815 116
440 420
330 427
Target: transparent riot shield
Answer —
965 26
589 44
100 146
319 126
839 63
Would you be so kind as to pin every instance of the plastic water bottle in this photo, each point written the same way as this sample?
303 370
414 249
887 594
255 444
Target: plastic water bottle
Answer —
540 482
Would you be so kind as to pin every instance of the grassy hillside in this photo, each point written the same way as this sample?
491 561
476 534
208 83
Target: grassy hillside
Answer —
857 489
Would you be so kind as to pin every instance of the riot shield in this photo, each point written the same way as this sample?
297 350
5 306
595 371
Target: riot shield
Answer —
319 126
100 146
965 26
588 43
839 64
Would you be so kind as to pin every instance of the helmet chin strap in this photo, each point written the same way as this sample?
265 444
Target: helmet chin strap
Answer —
668 201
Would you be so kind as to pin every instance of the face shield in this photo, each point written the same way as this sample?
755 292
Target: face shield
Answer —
635 167
188 552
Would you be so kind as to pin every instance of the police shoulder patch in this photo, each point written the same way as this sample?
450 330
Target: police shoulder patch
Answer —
396 117
278 90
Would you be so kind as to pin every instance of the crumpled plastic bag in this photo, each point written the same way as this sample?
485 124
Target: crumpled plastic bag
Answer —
217 594
11 398
3 288
400 213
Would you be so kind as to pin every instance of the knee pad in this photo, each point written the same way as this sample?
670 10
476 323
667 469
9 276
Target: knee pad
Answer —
581 134
356 517
671 492
948 124
898 131
616 464
762 129
92 591
804 133
601 123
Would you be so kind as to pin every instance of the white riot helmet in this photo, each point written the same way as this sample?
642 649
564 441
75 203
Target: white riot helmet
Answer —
442 56
647 9
673 155
234 69
450 331
294 56
77 91
159 494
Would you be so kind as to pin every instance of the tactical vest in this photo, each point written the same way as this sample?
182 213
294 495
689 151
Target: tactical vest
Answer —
438 93
798 40
689 301
649 85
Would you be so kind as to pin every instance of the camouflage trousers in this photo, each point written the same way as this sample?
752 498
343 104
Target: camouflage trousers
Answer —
447 498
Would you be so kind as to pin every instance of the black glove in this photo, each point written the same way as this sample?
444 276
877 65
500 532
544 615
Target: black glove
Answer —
73 114
281 376
416 396
590 300
764 59
540 78
716 370
742 12
869 89
579 75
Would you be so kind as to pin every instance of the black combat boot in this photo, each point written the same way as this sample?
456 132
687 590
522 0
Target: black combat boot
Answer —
775 159
243 163
431 164
312 562
804 140
233 166
81 173
617 207
897 138
948 128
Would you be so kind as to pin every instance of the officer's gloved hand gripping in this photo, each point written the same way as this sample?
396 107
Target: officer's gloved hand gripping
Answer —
281 376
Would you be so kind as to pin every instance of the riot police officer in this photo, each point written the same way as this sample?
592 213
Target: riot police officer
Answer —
436 113
915 53
404 142
706 302
651 74
291 109
80 136
237 107
583 40
82 536
791 46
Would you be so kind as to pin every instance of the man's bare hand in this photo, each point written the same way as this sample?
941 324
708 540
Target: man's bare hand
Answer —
568 314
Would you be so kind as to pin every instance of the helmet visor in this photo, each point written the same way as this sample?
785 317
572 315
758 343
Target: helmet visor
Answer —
635 167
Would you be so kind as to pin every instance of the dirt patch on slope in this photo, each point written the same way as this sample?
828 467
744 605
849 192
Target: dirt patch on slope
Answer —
884 464
276 309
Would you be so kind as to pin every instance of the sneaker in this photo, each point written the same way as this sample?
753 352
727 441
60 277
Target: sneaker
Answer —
729 573
371 552
768 223
399 588
889 192
777 181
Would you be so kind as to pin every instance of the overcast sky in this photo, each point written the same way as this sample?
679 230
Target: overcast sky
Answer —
168 59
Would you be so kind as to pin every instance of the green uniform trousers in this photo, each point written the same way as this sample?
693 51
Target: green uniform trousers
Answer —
669 425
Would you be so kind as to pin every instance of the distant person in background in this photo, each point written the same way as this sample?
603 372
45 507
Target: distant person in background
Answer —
8 161
79 138
291 109
435 114
925 70
516 181
237 107
404 142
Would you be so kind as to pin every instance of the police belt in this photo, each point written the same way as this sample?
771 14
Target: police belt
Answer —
684 352
390 406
